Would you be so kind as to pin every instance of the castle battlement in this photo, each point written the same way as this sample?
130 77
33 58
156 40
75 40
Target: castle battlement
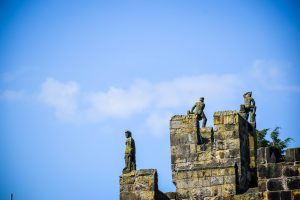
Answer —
219 162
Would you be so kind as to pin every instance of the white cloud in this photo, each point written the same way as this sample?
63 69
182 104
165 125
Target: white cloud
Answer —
119 102
142 97
61 96
183 91
157 101
272 75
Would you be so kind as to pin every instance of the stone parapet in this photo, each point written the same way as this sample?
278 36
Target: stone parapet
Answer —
139 185
217 160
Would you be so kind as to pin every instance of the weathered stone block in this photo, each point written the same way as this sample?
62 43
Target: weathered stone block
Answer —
224 135
139 185
182 193
216 190
217 180
204 156
286 195
205 192
261 156
220 145
274 170
146 195
197 193
292 154
230 179
192 157
175 124
183 149
183 183
220 154
171 195
128 195
232 144
229 171
204 173
205 182
229 127
290 171
293 183
272 195
182 175
296 194
262 185
228 190
275 184
248 196
218 172
233 153
261 171
178 158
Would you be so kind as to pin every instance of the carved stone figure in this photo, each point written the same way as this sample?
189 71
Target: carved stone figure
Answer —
248 107
200 105
130 163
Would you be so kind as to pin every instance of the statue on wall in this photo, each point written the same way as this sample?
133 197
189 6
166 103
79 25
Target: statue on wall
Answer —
200 105
130 163
248 107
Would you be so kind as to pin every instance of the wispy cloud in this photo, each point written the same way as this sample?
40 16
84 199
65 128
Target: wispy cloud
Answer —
70 103
272 75
61 96
157 101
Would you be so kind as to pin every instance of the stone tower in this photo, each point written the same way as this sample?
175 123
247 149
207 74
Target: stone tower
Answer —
220 161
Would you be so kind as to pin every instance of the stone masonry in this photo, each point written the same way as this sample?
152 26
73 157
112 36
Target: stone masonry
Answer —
279 180
141 185
217 161
220 162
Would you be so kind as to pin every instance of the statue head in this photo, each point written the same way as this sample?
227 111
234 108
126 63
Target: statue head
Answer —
127 134
202 99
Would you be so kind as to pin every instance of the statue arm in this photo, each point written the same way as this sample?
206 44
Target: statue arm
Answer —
253 102
192 110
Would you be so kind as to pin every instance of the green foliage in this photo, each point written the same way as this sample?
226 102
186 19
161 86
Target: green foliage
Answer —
276 142
261 140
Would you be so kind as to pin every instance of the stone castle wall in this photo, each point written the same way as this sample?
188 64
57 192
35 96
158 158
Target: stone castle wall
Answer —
142 185
279 180
218 163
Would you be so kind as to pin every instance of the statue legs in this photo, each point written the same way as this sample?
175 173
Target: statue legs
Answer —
204 120
253 115
132 165
129 164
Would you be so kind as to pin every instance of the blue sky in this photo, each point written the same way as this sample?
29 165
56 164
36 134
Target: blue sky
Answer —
75 75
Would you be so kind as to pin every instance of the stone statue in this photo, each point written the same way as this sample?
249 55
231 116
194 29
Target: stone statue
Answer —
248 107
130 163
200 105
